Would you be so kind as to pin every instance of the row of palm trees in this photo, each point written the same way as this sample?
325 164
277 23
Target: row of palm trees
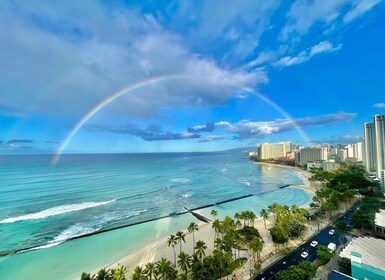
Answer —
230 237
118 273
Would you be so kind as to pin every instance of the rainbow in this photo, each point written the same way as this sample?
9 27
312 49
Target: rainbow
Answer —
105 102
284 113
154 80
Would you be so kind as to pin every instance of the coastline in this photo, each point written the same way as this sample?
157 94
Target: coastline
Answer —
157 248
304 174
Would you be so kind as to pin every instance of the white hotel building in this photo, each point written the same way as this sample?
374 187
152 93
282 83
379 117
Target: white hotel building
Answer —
374 134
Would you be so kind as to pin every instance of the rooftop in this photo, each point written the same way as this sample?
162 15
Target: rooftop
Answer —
371 251
380 218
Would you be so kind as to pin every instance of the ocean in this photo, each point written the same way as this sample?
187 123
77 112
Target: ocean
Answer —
43 205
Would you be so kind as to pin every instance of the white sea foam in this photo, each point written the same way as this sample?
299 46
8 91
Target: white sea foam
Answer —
73 231
181 180
41 247
58 210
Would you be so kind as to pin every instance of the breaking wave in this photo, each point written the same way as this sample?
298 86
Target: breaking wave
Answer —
58 210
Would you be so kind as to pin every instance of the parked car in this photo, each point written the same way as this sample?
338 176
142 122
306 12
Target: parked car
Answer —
331 232
304 255
314 243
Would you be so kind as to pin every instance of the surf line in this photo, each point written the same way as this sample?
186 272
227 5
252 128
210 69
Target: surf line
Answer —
188 211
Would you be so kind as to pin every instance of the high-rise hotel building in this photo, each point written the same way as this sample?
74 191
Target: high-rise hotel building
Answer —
374 134
274 150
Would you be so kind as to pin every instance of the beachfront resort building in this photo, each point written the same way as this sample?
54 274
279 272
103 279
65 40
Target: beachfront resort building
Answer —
274 150
374 147
312 154
367 258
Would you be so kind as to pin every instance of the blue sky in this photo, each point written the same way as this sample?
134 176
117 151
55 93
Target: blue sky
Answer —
248 72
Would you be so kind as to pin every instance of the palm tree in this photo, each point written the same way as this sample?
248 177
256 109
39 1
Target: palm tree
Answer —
164 270
214 214
237 217
87 276
149 270
237 241
252 216
179 238
137 274
103 274
200 248
216 226
265 215
256 246
184 262
191 229
172 241
119 273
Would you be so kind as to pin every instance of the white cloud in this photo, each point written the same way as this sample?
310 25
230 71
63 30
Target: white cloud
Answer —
379 105
359 8
247 129
67 71
322 47
304 15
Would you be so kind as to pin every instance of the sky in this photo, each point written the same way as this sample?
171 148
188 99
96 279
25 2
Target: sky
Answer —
172 76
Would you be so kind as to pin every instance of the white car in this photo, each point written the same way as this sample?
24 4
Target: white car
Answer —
304 255
331 232
314 244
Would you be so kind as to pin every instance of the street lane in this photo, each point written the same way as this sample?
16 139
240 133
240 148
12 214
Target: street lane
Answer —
294 257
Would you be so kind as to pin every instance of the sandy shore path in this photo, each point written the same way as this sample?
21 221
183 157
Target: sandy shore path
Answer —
158 248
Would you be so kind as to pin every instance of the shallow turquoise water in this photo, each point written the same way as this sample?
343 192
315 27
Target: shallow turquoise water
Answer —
43 205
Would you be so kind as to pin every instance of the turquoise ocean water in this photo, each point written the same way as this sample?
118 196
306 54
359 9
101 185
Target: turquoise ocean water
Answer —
43 205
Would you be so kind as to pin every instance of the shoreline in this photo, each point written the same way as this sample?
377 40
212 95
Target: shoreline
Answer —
304 174
157 248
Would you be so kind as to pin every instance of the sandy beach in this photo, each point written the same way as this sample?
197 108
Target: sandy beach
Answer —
158 248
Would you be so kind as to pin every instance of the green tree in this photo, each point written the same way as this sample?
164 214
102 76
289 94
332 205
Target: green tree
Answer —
184 262
265 215
103 274
256 245
172 241
119 273
138 274
164 270
191 229
227 224
216 226
252 216
303 271
279 235
324 254
149 270
180 236
200 248
86 276
214 214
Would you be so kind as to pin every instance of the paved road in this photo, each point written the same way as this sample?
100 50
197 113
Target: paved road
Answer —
294 257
